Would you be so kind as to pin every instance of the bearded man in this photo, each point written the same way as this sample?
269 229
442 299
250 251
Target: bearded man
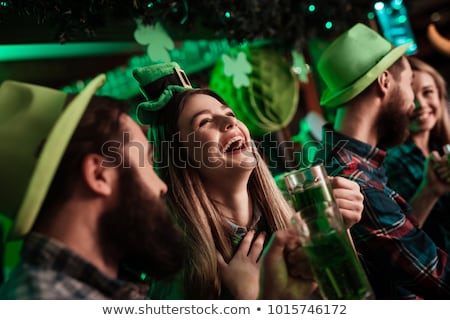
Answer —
83 195
369 83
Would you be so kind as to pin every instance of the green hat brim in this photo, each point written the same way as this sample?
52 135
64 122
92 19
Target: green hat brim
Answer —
336 98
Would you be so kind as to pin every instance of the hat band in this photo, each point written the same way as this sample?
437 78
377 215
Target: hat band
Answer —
154 89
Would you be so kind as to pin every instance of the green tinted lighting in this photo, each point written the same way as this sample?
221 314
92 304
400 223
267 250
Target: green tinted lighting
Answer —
312 8
15 52
3 3
401 19
379 6
329 25
396 4
370 15
227 15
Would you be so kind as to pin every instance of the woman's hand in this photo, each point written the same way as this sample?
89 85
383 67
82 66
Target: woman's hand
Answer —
439 176
349 199
241 274
434 184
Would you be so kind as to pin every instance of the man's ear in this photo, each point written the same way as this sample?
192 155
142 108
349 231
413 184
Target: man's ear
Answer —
98 177
384 81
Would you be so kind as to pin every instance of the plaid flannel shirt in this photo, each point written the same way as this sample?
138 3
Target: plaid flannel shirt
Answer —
49 270
401 260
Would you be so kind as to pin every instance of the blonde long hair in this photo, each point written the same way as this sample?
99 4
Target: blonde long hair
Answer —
440 134
205 228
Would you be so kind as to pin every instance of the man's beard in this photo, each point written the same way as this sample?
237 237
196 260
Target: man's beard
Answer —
393 122
139 230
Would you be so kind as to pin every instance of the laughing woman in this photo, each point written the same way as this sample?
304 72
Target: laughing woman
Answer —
407 165
220 190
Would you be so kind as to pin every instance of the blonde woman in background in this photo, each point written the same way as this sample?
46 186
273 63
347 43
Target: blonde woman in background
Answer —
406 164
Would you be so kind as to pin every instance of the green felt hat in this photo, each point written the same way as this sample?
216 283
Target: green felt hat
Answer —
353 61
158 84
35 129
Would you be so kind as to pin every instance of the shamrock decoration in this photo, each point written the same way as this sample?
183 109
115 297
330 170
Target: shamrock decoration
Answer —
259 85
238 68
158 41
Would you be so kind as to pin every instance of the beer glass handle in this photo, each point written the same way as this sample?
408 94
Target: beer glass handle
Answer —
351 239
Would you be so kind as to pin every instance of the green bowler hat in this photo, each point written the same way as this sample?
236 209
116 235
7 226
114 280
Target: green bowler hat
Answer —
35 129
353 61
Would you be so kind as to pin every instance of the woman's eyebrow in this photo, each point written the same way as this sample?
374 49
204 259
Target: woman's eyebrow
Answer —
198 114
223 107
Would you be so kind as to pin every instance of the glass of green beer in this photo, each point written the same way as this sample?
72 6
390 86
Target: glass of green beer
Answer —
325 240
